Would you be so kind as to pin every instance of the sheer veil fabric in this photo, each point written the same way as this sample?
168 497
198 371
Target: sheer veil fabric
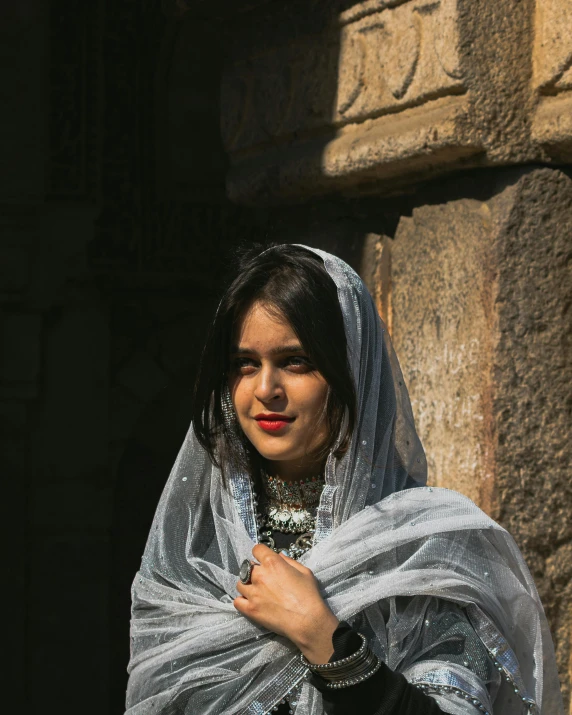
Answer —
393 557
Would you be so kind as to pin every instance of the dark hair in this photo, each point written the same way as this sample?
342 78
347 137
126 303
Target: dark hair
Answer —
294 282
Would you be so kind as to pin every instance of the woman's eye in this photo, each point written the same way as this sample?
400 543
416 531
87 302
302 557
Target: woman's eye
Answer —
299 363
244 366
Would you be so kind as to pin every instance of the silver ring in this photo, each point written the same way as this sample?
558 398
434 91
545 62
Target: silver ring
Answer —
245 571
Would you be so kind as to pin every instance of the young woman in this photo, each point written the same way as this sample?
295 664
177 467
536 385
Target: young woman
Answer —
296 562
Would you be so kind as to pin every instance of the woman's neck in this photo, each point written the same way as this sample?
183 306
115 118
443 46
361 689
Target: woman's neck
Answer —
295 471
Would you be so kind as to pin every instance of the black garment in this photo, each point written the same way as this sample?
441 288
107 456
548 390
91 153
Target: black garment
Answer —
384 693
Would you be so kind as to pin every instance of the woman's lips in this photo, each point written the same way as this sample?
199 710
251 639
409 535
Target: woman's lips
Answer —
271 423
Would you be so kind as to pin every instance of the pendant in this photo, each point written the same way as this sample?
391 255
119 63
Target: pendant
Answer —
267 541
287 520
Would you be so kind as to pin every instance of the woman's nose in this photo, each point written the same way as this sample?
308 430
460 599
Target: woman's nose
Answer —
268 386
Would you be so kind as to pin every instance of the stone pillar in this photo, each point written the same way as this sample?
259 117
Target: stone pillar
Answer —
481 301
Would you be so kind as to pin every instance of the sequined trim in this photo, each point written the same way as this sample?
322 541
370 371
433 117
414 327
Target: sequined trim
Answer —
274 695
324 520
429 689
243 498
504 658
445 681
292 697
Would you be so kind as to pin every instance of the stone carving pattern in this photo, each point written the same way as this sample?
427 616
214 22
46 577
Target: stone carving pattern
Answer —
553 46
408 54
387 58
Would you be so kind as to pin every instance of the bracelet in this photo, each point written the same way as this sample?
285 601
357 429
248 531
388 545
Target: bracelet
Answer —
348 671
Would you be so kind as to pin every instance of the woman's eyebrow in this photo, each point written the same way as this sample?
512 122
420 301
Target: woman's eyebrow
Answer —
279 350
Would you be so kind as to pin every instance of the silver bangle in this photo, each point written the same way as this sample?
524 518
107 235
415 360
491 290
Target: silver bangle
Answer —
348 671
358 679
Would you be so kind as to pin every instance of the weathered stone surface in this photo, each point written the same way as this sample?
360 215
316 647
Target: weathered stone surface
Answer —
553 45
369 91
552 123
350 104
388 56
375 271
481 298
426 139
443 326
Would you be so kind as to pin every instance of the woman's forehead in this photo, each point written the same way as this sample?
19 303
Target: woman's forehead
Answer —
262 327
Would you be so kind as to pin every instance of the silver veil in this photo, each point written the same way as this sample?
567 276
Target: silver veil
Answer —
407 564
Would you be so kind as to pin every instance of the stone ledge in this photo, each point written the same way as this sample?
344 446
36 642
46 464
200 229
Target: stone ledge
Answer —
552 126
393 145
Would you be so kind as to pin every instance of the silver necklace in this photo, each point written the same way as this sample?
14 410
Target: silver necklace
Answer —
290 507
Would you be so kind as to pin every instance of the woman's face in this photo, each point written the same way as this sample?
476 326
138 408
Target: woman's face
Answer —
277 393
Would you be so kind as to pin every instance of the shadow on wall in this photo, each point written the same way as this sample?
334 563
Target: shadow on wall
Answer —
142 472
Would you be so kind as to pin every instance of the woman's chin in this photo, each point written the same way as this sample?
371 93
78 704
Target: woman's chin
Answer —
276 456
275 452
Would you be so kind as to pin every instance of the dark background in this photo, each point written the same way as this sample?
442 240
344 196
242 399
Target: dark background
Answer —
116 234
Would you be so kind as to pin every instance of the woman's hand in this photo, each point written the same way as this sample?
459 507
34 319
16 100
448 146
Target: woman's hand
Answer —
283 596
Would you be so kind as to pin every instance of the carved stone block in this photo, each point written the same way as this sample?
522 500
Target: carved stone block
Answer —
552 79
380 89
396 56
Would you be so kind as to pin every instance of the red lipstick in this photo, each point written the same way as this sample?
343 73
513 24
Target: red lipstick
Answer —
273 422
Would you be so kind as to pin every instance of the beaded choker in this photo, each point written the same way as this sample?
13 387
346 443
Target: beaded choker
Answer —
305 493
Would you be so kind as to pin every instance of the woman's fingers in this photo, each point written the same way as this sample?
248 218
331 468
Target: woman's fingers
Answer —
299 567
241 605
242 588
282 596
263 552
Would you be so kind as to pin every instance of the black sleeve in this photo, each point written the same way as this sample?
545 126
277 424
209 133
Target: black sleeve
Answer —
384 693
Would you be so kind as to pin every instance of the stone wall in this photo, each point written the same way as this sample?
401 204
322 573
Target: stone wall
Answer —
481 299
